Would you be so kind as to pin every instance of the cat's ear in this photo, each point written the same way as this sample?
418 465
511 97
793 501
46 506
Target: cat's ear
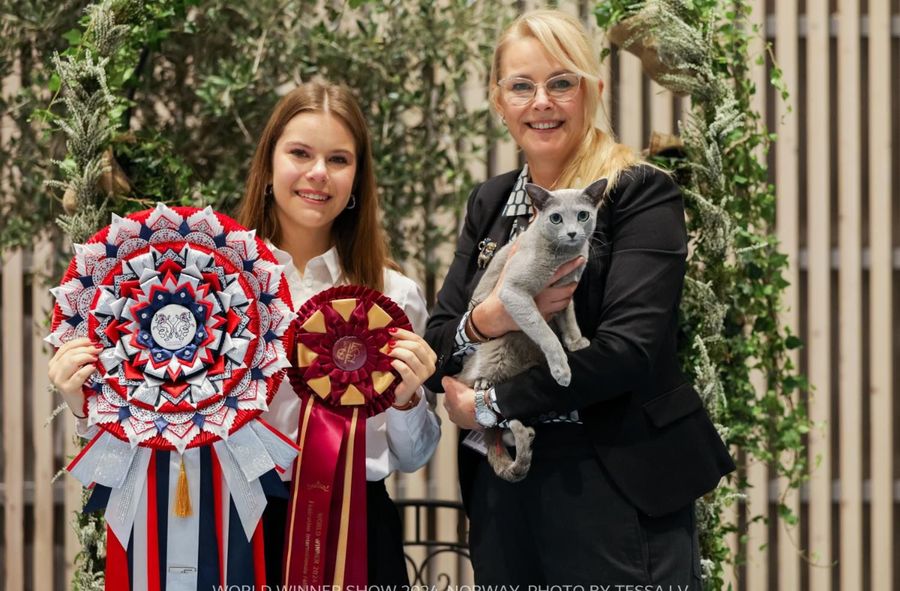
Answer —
539 195
595 191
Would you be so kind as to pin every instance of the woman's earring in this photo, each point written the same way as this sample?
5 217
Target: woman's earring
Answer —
269 193
352 203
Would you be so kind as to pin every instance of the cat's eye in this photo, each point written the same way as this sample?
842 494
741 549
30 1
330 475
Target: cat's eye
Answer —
584 216
555 218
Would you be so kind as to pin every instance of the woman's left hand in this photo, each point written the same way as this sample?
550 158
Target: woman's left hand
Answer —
413 359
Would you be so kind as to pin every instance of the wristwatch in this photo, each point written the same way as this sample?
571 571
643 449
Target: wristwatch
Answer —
484 416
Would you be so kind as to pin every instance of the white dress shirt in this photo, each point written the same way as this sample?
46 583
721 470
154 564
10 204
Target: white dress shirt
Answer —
395 439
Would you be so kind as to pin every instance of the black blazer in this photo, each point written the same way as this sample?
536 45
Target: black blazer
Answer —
647 424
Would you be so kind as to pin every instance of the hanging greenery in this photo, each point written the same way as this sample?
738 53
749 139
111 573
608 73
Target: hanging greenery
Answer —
29 32
735 277
179 90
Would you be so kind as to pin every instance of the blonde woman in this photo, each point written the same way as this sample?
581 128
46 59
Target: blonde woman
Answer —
622 453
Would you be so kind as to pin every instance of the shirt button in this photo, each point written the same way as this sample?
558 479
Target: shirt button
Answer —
307 283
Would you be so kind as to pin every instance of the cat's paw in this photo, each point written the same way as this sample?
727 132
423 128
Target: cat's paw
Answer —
578 344
561 372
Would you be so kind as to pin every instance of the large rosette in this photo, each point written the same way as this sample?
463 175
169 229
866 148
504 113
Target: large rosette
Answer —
191 312
342 373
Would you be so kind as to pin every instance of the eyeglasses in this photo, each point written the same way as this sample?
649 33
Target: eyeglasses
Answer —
521 91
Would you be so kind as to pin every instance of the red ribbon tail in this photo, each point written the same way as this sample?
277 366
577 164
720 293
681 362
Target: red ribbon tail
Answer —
327 543
357 573
116 563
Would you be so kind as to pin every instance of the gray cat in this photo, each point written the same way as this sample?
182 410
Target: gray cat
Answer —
561 232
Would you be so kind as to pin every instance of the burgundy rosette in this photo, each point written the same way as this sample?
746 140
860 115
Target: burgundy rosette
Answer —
341 370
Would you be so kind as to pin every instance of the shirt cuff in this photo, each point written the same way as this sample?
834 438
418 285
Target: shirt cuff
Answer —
83 430
491 397
412 434
410 419
462 344
492 400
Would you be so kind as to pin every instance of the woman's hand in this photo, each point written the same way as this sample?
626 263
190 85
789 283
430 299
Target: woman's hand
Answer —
70 368
459 400
413 359
491 318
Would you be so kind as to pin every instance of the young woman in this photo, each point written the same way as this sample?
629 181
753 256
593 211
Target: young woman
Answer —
622 453
311 194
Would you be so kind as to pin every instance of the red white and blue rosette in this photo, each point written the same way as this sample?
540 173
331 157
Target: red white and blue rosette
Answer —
192 313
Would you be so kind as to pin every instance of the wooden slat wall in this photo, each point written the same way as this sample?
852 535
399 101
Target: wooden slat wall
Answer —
756 547
880 295
42 434
13 419
833 256
850 298
818 338
787 214
630 101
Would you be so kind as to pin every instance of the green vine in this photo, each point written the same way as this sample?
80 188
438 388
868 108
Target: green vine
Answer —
92 80
735 278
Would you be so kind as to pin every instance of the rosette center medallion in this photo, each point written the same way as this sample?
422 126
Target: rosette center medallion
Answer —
349 353
173 327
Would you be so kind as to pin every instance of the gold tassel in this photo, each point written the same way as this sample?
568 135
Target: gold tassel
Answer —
183 494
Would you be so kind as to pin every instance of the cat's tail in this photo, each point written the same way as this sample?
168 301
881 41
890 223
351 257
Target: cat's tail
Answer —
507 468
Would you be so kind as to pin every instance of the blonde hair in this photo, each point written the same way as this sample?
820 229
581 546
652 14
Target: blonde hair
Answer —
357 233
564 38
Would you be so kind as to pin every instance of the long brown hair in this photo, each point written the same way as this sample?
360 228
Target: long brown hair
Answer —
357 233
564 38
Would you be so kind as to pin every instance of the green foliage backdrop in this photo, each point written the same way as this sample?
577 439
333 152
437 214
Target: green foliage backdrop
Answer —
180 89
735 281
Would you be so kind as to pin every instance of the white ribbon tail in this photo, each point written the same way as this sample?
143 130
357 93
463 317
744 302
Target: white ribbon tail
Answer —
106 460
124 501
281 449
249 498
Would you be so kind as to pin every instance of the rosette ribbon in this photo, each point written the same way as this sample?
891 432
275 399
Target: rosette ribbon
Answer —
192 313
342 373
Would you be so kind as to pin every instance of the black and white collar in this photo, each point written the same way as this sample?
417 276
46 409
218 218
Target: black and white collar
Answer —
519 203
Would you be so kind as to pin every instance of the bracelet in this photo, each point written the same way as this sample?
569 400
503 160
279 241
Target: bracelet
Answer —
479 336
54 390
412 402
492 401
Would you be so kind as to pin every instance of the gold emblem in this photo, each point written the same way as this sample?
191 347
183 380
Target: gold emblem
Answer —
349 353
346 352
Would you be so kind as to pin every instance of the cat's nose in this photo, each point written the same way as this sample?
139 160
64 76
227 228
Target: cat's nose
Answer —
571 234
